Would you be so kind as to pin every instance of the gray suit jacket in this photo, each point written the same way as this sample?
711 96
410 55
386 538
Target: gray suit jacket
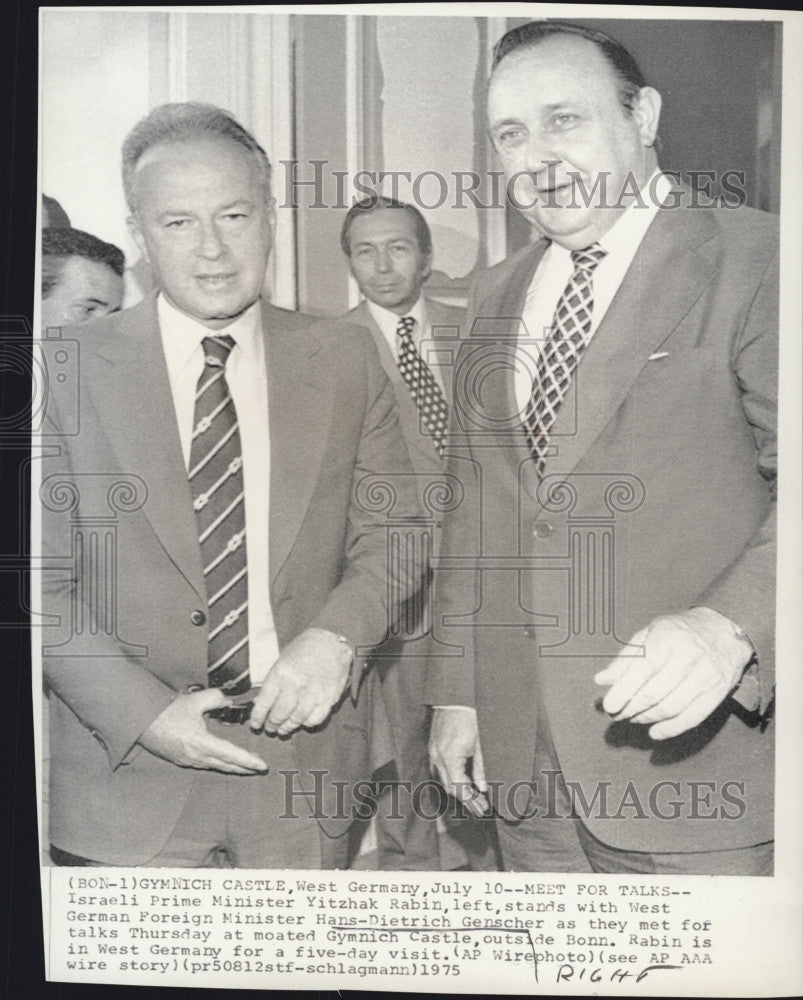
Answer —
675 400
121 652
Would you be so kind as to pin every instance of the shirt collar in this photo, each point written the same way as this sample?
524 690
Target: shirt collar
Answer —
182 334
388 321
628 231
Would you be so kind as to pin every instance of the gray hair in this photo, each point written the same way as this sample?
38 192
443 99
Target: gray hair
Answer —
182 122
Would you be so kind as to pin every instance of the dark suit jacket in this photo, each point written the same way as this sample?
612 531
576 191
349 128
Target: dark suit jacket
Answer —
446 327
403 693
674 398
333 420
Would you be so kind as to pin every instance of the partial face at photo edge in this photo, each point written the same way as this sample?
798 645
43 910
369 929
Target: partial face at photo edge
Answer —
558 124
85 289
386 258
204 222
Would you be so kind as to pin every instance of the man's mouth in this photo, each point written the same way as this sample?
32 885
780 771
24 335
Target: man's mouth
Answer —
215 280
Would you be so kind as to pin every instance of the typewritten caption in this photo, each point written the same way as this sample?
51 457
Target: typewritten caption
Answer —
259 929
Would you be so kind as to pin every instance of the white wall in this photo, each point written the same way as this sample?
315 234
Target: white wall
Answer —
95 85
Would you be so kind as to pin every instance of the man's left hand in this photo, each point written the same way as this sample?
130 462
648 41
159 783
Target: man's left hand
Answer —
691 663
303 685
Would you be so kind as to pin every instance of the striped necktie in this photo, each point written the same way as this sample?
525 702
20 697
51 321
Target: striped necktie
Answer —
561 353
216 484
422 384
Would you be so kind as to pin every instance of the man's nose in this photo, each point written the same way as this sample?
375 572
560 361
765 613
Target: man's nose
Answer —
383 261
540 158
210 244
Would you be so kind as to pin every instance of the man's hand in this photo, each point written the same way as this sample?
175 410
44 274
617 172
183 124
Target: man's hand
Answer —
304 684
691 664
453 740
179 734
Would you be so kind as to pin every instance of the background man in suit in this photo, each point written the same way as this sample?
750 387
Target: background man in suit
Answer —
226 437
650 401
389 248
82 277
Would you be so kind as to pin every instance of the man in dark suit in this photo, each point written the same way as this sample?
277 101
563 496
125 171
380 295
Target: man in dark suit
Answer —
389 248
225 579
617 638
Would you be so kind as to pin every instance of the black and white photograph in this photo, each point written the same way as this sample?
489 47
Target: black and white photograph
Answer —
405 475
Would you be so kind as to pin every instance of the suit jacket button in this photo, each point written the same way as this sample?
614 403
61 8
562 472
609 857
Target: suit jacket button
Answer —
198 618
542 529
530 632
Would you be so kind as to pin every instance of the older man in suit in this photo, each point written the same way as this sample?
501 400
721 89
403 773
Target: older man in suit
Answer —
389 248
225 579
617 637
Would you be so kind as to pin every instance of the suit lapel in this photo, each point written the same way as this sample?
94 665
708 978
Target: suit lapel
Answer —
419 443
441 320
506 306
300 406
132 396
676 261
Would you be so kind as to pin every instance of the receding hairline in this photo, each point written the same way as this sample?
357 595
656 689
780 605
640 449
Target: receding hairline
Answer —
529 49
155 154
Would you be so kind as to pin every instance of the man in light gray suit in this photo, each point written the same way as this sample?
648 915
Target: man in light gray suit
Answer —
389 247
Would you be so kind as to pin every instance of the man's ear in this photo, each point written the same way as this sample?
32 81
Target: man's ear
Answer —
647 113
272 217
136 235
426 267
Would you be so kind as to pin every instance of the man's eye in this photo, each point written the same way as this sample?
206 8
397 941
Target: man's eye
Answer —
509 136
177 224
235 216
399 248
563 121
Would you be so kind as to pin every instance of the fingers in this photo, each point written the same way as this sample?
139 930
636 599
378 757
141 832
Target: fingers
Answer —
692 715
680 680
264 701
479 770
453 742
628 676
220 755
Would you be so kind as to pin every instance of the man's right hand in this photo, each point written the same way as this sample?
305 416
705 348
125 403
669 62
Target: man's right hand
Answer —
180 735
453 740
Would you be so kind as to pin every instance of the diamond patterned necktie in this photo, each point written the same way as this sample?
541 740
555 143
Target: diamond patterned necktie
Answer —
561 352
422 384
216 484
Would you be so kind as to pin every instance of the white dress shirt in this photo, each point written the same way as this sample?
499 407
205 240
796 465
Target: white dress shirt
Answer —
555 268
246 375
388 323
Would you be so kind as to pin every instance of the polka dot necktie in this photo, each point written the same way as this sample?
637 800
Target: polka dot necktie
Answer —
217 487
561 352
423 387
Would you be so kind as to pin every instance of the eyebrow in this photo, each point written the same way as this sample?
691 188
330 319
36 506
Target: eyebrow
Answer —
547 109
244 202
390 239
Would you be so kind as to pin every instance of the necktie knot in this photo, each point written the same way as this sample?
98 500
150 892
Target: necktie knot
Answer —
406 326
588 258
217 350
